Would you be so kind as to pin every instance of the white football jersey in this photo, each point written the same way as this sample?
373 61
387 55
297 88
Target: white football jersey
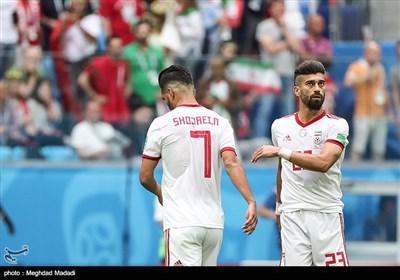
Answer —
305 189
190 140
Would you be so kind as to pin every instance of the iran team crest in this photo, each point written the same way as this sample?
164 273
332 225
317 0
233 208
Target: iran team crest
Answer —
317 137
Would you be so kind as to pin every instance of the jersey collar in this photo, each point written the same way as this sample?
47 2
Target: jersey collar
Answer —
296 115
189 105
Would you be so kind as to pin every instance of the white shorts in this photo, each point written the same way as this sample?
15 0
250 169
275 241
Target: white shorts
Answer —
313 238
192 246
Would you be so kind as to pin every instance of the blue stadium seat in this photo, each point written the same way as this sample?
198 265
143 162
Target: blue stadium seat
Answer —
18 153
352 20
58 153
5 152
12 153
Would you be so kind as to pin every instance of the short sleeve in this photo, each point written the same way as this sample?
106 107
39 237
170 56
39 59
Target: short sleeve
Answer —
339 133
227 139
152 147
273 134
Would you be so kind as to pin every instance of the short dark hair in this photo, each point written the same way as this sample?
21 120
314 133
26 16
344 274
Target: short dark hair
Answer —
308 67
141 21
174 73
112 37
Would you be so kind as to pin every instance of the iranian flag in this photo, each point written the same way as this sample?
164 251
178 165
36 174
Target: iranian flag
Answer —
255 75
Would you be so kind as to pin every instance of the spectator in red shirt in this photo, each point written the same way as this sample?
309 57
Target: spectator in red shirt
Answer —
28 22
105 80
119 16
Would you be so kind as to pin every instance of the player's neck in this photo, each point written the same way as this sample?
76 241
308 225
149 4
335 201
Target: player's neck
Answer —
187 100
307 115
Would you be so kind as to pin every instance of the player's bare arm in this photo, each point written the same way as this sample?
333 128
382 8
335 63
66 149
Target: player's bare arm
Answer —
236 173
315 162
147 179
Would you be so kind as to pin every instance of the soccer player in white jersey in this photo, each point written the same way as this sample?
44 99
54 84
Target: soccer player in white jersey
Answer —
193 143
310 145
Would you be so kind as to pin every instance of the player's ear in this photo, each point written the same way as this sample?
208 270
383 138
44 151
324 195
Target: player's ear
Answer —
296 90
171 93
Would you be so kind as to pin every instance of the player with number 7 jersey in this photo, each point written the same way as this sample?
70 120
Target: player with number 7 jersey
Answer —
194 143
192 138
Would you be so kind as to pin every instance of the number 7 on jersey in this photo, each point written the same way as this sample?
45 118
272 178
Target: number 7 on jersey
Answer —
206 135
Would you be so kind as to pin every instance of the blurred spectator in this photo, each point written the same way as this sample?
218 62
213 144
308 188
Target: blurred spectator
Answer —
40 111
11 117
29 74
395 84
119 16
218 93
169 38
145 62
232 17
105 79
294 17
211 12
94 139
155 13
46 116
93 6
367 77
278 46
142 115
212 18
219 17
74 42
28 22
50 12
24 134
229 52
189 22
315 46
9 35
244 35
383 227
267 210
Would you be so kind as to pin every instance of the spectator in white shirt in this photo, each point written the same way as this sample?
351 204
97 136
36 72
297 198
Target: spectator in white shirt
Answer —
94 139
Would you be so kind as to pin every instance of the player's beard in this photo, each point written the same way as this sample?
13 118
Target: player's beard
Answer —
313 104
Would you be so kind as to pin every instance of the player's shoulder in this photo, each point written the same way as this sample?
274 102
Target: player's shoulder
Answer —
161 121
283 123
336 120
284 119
